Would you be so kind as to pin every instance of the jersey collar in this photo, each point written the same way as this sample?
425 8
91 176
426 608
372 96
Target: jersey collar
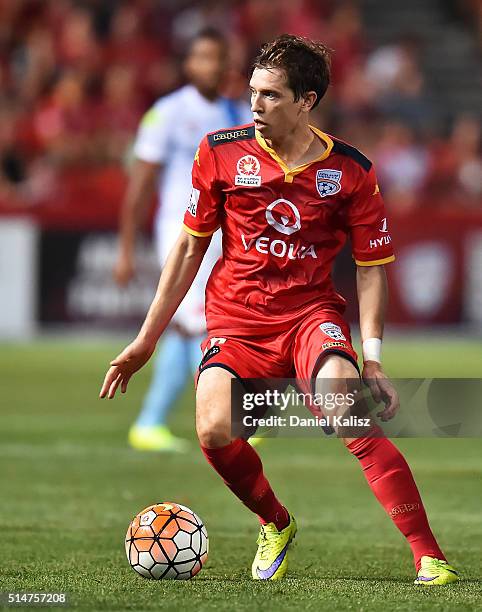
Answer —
290 173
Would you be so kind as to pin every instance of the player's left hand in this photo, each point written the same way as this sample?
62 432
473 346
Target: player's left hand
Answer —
381 389
132 358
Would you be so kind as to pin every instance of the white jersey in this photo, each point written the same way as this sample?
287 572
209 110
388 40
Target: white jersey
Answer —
169 135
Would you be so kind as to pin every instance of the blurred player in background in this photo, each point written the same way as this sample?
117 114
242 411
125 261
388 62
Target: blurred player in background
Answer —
164 149
287 196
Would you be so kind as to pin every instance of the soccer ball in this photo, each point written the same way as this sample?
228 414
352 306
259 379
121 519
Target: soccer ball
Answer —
167 541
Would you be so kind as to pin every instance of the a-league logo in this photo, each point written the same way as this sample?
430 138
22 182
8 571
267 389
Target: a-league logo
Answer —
248 165
328 182
248 168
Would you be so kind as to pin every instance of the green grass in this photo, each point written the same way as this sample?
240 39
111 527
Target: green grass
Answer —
69 486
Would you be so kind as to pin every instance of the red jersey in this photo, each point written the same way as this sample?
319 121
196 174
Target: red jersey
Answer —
282 228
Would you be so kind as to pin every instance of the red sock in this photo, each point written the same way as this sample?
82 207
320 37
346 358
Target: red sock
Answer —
392 482
240 467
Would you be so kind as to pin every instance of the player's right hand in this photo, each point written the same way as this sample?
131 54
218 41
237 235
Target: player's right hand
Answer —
382 390
132 358
124 270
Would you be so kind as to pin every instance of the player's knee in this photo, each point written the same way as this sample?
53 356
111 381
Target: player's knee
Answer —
212 427
213 436
338 377
337 369
213 415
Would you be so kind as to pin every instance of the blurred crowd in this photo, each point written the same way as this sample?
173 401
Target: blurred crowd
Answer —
76 76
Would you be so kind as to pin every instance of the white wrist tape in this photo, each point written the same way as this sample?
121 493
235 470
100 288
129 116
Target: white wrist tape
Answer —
372 350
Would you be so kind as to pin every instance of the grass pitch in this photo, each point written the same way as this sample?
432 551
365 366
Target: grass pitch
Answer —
70 485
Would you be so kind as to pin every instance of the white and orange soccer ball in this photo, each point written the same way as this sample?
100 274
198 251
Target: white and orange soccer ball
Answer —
167 541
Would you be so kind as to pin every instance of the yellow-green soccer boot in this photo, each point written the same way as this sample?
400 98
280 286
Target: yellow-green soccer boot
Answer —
157 438
271 561
434 572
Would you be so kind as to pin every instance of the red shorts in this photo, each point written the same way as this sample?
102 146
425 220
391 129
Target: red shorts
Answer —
296 353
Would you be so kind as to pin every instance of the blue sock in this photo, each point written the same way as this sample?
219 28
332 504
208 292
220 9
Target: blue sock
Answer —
171 368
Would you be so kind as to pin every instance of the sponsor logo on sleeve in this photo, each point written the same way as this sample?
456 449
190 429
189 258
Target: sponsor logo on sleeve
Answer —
382 240
379 242
328 182
248 168
332 330
193 201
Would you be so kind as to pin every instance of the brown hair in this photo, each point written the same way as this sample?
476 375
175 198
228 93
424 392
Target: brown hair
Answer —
305 62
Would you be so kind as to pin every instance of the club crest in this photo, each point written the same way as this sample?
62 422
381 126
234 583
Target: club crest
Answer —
328 182
332 330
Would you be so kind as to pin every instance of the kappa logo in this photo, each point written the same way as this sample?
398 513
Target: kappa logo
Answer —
227 136
230 135
248 168
330 345
284 216
328 182
332 330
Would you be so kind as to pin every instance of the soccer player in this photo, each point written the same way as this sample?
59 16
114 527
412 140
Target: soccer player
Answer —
286 196
164 149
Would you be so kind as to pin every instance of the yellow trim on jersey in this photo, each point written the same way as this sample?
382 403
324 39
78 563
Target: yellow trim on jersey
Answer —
198 234
375 262
290 173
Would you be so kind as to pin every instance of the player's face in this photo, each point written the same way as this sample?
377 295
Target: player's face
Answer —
273 105
206 65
